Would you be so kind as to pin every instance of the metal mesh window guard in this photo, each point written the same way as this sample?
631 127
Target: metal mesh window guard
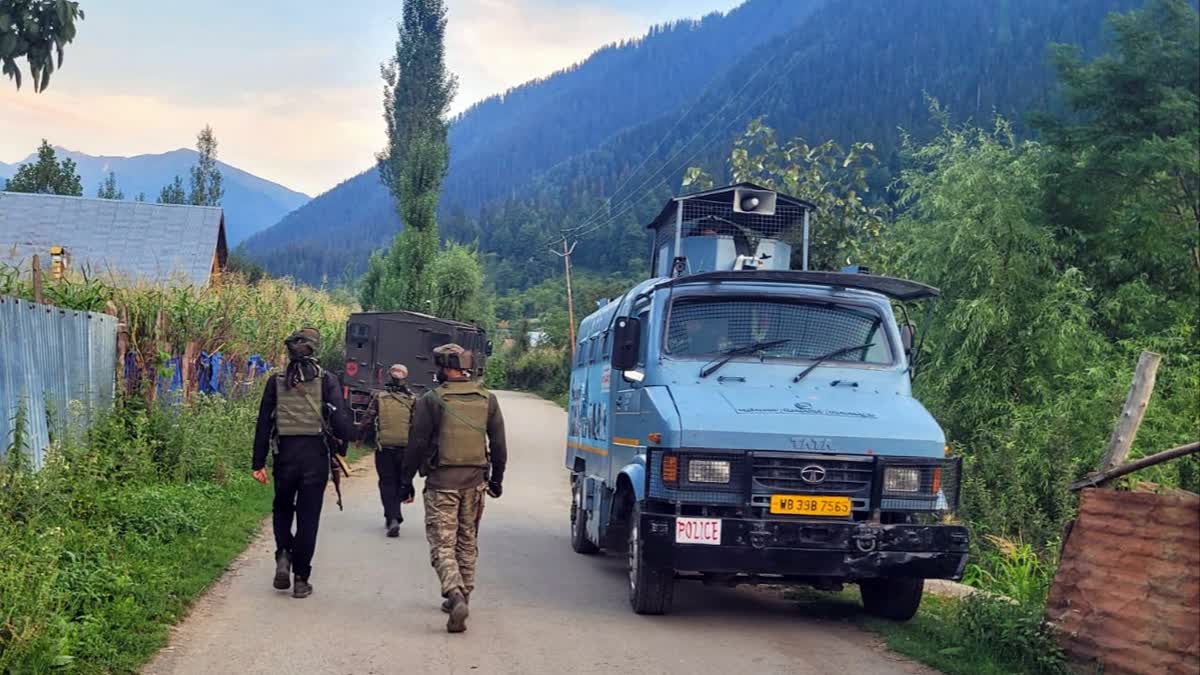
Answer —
706 327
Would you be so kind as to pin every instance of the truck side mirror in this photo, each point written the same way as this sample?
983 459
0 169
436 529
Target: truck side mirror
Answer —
627 338
487 349
906 338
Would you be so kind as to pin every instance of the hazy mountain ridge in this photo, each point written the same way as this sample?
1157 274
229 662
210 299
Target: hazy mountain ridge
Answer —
251 203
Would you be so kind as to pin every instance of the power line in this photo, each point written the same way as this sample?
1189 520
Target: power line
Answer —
683 147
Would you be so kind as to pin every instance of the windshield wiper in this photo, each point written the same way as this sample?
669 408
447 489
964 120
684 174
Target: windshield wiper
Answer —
737 351
825 357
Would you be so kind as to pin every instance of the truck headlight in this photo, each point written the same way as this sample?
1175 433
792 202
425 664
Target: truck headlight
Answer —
901 479
708 471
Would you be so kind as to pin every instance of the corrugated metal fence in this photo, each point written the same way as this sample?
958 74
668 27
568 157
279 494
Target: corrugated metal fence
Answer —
58 365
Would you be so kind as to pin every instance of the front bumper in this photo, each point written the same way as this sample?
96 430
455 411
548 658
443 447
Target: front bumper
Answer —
840 550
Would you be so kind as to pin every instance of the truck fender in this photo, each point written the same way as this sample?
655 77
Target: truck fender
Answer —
635 471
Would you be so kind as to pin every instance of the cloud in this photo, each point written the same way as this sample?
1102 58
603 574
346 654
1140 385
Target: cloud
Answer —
301 111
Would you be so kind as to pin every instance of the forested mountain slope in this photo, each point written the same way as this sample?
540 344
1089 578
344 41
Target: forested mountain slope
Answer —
502 142
634 116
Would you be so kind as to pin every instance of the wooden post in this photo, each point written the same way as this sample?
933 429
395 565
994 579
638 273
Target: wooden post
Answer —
37 281
110 308
1132 412
566 256
570 301
187 368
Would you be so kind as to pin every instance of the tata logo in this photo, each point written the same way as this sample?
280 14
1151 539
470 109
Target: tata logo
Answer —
813 474
803 406
812 443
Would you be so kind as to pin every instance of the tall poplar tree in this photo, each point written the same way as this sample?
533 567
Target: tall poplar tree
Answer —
417 95
207 188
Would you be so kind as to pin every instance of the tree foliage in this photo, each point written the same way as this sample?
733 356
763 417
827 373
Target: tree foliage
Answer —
1126 174
207 188
37 30
47 175
833 179
416 99
108 188
173 193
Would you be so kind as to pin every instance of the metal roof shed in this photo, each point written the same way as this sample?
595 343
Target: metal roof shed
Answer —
129 241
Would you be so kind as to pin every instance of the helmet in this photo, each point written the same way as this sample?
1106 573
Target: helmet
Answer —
453 356
303 343
398 371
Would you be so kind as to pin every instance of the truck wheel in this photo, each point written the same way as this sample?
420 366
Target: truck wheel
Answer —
579 540
895 598
651 589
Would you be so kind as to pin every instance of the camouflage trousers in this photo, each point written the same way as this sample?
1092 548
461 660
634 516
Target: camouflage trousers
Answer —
452 525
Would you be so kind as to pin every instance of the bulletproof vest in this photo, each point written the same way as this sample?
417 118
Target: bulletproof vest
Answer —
392 422
298 409
462 437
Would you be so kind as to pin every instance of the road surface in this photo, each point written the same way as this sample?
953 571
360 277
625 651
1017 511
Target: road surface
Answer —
538 607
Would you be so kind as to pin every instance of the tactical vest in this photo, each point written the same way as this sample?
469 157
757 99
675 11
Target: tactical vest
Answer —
393 418
298 409
462 436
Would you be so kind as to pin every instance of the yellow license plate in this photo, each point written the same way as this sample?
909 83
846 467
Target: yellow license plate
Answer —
804 505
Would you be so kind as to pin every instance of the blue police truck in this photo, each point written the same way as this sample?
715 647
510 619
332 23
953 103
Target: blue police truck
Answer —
734 421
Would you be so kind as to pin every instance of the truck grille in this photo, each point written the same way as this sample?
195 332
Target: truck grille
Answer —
786 474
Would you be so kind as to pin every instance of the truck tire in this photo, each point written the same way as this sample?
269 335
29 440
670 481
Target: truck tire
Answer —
651 589
895 598
579 541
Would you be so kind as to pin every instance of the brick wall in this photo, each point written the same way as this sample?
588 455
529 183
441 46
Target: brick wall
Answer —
1127 590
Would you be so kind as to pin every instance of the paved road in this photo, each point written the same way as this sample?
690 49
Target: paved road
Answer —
538 608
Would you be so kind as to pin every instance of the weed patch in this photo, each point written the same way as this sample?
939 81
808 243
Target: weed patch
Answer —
107 546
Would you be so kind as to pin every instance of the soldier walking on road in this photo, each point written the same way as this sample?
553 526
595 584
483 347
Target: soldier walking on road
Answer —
457 436
391 413
301 410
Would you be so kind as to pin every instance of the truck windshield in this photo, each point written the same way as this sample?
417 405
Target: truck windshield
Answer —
703 327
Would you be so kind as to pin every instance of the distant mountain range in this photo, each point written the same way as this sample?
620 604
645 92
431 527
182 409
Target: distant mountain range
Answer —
251 203
546 154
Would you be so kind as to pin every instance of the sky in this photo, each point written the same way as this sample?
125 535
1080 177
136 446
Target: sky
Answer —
291 89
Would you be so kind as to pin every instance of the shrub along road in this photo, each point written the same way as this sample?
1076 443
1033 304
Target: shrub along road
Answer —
539 607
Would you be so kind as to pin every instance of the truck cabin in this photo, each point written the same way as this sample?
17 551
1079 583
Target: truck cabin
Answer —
731 418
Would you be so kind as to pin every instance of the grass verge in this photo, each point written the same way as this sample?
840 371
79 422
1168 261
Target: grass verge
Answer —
977 635
107 546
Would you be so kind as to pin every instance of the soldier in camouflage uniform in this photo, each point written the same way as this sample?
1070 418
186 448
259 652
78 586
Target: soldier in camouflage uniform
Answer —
457 437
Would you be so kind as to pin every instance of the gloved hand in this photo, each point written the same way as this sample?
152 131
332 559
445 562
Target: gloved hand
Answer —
495 489
406 490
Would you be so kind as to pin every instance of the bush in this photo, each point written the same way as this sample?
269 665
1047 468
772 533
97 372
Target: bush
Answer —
1012 570
495 376
1011 630
543 371
106 546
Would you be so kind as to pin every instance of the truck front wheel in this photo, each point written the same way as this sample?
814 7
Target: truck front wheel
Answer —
651 589
579 540
895 598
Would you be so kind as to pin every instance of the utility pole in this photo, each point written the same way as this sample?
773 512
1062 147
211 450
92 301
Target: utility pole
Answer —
566 256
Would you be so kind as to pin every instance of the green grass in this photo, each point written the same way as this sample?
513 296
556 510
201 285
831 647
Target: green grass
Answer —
976 636
107 546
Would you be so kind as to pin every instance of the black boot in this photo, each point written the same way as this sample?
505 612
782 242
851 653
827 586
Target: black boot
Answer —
393 527
303 589
283 570
459 612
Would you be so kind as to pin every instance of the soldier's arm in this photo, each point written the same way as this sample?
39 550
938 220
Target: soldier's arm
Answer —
420 437
497 444
339 418
264 427
370 414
